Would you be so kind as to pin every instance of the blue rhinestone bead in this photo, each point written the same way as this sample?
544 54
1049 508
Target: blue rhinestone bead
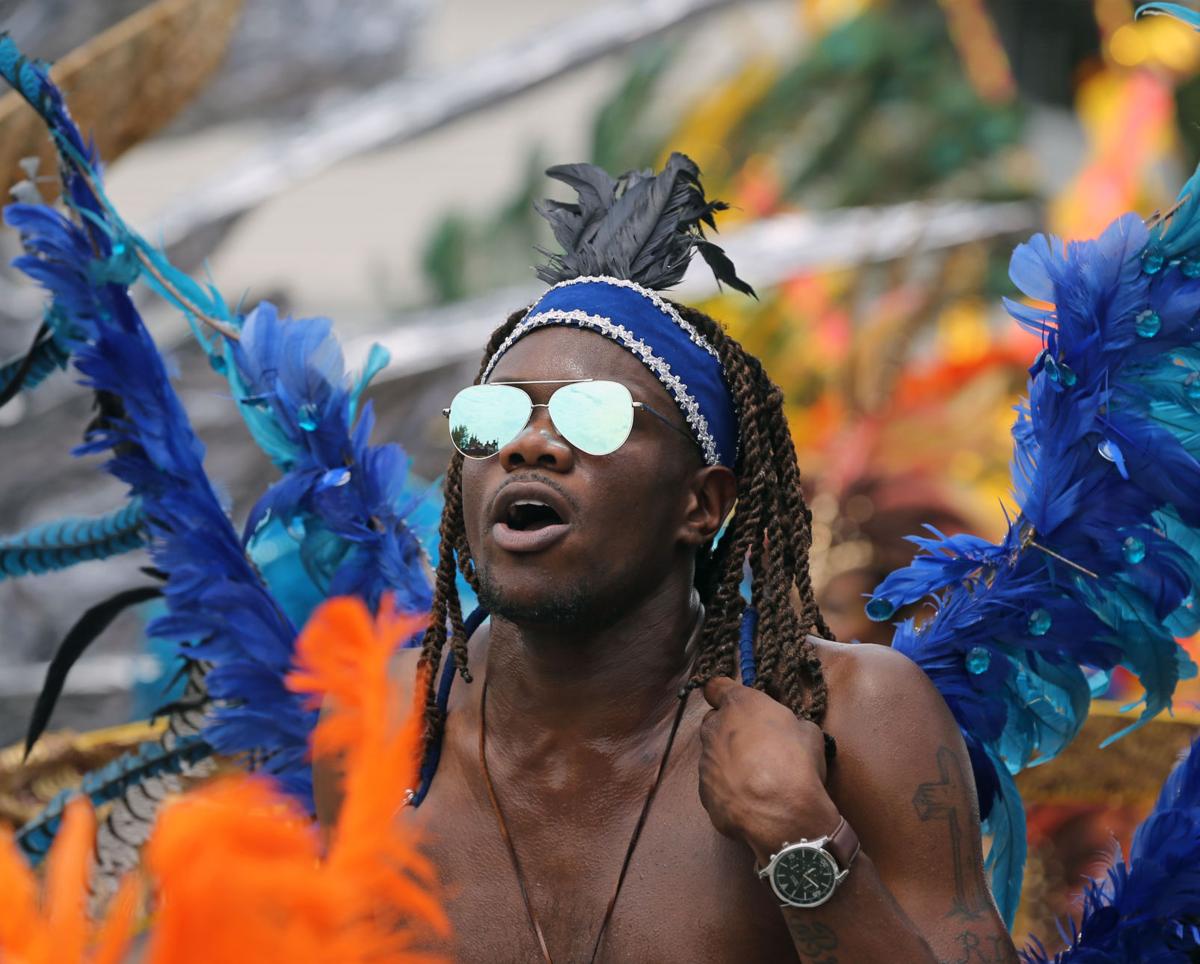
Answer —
1133 549
880 609
1039 622
1050 366
219 364
1067 375
1191 268
1147 324
978 660
307 417
334 478
1152 261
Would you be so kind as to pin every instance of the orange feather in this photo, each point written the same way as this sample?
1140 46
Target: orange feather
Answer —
240 871
56 930
237 868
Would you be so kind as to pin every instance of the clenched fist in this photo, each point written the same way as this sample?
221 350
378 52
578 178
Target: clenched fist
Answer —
762 769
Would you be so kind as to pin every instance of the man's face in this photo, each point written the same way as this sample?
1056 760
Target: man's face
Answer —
621 514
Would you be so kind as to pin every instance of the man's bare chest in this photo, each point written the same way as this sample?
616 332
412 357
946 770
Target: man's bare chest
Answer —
689 894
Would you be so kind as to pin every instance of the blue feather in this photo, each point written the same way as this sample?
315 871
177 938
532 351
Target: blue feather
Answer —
63 543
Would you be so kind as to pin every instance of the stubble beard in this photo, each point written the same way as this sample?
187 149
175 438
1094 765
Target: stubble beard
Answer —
560 605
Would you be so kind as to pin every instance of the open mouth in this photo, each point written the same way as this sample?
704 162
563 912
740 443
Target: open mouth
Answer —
529 521
529 515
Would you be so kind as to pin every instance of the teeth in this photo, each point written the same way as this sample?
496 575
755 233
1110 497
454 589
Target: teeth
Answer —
530 502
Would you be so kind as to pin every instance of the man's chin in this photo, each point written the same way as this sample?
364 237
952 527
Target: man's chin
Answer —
540 606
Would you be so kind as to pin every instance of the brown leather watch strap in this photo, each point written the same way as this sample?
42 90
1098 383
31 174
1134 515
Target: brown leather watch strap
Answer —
843 844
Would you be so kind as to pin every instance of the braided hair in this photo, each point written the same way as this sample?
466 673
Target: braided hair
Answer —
770 527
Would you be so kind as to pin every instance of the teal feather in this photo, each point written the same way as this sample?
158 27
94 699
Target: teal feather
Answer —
1005 861
378 358
1179 12
256 411
65 542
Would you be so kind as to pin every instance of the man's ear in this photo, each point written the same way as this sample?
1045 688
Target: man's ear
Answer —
710 499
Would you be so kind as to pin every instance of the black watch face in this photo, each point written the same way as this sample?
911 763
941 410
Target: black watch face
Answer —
805 876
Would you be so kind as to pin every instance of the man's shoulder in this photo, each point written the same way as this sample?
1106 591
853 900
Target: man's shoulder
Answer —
871 673
882 705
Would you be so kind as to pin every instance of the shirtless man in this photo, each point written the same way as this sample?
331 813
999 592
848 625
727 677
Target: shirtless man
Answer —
583 809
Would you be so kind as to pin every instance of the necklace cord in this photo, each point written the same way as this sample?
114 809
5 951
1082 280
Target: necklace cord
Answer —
512 850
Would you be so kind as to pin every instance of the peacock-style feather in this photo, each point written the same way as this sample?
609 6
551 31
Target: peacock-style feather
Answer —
640 227
1100 567
1146 909
65 542
158 761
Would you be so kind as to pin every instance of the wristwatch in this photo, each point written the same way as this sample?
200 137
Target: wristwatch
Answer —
805 874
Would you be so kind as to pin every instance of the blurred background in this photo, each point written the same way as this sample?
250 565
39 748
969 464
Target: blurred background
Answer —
375 160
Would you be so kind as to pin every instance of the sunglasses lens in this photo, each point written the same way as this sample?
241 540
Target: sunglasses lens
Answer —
485 418
595 417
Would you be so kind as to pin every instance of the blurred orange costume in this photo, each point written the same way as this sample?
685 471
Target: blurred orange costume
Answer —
236 868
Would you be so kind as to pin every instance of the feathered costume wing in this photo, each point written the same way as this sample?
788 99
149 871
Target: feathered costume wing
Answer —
1101 566
341 503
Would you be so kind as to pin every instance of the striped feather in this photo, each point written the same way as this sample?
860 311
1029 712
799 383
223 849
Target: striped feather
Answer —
65 542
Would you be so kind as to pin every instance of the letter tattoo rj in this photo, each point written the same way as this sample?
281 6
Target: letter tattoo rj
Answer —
938 801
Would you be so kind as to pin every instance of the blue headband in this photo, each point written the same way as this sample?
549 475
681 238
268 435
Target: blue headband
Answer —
637 319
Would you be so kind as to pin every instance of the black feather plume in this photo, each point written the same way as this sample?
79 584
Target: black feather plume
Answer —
19 372
640 227
90 625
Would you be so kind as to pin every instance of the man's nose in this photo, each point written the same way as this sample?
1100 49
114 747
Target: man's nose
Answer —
539 445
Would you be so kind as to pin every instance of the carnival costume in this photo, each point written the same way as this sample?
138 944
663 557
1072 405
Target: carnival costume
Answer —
1098 570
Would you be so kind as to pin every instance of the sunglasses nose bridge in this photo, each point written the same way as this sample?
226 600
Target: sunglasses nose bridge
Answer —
539 443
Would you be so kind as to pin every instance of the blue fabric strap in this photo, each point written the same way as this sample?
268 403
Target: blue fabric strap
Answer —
746 646
434 756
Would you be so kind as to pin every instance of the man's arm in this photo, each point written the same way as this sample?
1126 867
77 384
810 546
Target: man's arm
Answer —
903 781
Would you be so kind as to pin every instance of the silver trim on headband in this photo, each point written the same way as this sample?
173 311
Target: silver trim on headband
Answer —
619 333
664 306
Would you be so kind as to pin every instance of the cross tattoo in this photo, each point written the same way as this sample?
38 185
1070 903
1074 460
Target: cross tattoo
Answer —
939 801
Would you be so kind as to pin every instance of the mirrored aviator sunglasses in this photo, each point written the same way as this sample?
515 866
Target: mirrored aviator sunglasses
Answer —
594 416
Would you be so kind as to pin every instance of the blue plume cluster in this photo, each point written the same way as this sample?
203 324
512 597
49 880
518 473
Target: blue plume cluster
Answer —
337 522
219 610
344 502
63 543
1146 909
1101 566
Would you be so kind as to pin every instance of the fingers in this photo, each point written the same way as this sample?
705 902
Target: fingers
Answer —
719 690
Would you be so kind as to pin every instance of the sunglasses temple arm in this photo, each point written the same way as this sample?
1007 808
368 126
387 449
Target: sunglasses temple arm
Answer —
666 421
